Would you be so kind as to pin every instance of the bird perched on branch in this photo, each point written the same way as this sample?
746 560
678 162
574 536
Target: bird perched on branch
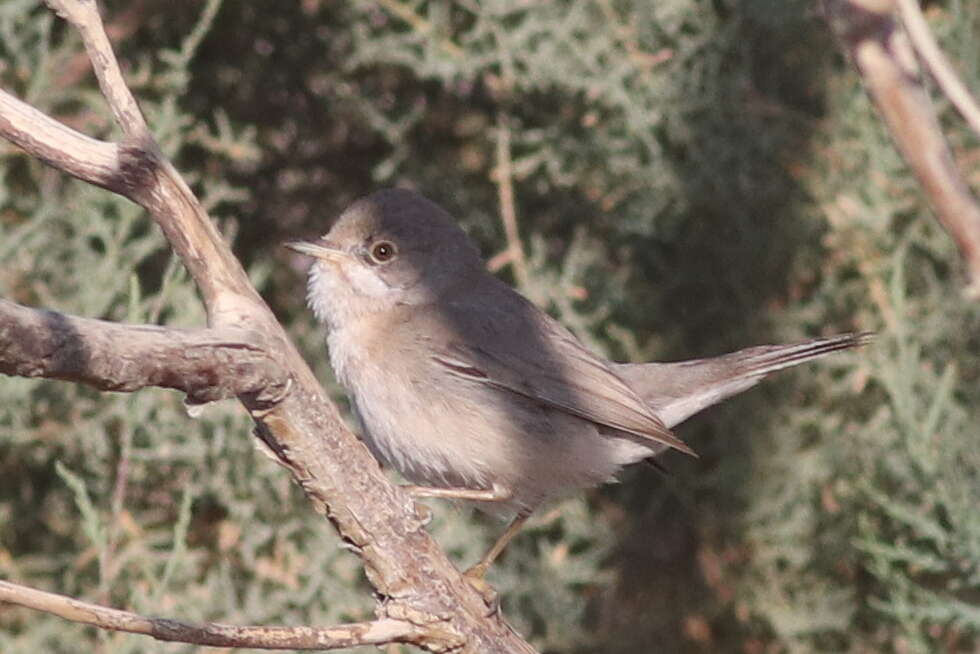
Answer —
470 391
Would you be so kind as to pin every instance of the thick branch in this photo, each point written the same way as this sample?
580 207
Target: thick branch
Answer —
212 634
886 62
207 364
57 145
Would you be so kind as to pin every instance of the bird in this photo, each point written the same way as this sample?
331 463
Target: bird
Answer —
470 391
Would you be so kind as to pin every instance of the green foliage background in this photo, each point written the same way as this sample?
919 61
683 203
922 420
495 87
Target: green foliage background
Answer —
692 176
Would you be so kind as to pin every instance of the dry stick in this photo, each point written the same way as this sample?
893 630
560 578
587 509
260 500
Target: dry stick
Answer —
886 62
61 147
108 566
83 15
504 176
938 64
421 26
304 428
154 183
626 34
124 24
212 634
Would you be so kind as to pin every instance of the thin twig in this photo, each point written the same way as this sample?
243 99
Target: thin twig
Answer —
421 25
107 562
499 260
212 634
504 176
938 63
645 61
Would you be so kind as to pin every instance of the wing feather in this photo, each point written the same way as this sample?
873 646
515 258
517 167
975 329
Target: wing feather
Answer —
532 355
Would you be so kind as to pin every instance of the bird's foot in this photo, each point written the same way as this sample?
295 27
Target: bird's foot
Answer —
423 513
476 578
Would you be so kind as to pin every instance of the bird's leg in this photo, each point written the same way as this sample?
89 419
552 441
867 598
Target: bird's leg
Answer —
495 494
480 569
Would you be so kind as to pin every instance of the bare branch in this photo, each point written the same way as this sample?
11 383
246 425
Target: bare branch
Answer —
139 172
304 429
57 145
207 364
83 15
938 64
158 187
212 634
882 54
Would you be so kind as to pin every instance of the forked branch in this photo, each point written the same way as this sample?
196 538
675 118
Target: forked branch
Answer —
418 584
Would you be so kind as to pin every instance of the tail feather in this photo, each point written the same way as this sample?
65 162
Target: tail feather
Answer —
770 358
678 390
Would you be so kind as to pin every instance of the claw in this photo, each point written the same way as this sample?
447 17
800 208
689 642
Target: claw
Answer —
490 596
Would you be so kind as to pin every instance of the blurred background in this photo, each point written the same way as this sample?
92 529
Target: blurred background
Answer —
689 177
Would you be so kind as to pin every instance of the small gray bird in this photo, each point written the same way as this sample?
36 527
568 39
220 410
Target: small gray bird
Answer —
470 391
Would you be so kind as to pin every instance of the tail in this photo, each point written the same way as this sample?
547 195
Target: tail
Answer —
676 391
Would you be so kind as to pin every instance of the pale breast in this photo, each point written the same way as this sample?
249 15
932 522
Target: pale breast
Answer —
441 430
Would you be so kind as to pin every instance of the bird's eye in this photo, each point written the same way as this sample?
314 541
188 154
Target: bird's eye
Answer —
383 251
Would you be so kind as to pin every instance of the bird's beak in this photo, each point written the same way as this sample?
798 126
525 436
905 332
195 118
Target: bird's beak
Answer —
321 249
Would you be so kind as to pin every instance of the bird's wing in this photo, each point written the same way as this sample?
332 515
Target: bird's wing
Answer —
524 351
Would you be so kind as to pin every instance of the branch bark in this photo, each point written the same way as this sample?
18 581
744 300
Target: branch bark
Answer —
213 634
84 16
59 146
880 50
206 364
412 576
